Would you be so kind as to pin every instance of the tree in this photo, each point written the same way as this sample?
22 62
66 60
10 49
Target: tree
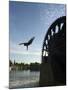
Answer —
10 63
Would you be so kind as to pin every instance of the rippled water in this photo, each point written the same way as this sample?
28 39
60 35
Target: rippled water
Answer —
23 79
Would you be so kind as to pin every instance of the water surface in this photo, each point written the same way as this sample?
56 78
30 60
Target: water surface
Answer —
23 79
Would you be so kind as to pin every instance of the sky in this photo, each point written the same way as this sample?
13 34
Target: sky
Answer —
27 20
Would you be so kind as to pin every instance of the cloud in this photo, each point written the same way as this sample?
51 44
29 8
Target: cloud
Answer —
15 49
37 53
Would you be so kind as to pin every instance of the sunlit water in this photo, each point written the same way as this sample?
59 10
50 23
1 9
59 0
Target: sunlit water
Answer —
23 79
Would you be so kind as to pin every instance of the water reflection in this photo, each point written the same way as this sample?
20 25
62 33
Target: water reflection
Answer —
22 79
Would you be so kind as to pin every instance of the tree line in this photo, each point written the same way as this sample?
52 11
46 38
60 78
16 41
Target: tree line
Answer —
22 66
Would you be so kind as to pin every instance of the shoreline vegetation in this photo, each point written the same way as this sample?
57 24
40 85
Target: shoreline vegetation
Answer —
22 66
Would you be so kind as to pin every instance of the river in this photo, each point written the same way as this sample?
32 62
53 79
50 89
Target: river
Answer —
23 79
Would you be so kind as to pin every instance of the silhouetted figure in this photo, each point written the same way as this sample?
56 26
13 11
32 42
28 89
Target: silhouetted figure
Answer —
28 43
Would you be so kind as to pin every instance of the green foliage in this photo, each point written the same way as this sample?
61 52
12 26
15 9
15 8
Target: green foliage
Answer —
34 66
10 63
21 66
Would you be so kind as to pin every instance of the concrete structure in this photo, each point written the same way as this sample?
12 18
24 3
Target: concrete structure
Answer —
53 67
